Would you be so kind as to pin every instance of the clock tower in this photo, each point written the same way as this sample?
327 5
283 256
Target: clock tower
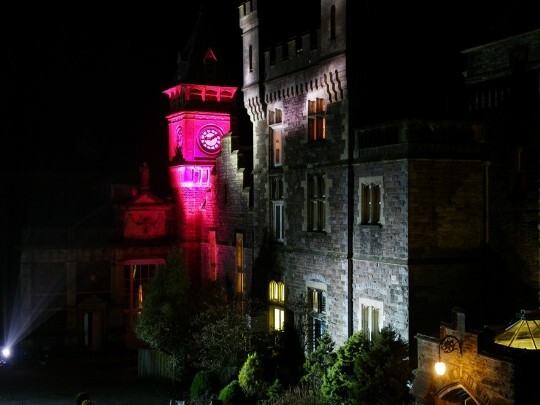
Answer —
201 113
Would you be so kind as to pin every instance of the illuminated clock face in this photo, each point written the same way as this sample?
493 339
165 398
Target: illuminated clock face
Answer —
210 139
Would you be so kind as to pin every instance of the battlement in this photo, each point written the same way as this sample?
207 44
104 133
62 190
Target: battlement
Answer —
246 9
299 53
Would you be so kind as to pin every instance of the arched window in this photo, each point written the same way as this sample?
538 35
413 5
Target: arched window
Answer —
276 309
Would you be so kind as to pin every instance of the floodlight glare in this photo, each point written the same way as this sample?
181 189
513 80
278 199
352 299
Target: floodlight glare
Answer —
6 352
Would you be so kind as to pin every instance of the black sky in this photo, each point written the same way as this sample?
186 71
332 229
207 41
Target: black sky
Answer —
84 89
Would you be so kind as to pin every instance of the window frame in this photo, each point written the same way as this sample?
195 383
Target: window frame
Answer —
212 254
316 112
317 296
316 202
134 294
275 122
276 305
371 201
370 312
240 277
278 208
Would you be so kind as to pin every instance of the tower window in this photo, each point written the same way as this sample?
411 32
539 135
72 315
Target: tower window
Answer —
212 253
371 202
317 119
316 207
277 148
275 120
240 263
278 219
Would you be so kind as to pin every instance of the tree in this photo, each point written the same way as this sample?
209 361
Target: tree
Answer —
222 338
164 321
383 371
318 362
338 384
289 354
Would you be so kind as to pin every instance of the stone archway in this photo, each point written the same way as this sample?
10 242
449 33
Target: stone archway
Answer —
455 393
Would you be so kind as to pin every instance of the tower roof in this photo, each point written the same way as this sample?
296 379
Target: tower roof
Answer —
204 58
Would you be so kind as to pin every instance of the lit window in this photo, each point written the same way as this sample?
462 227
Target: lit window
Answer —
240 263
136 277
317 304
276 310
371 203
240 282
239 251
317 119
194 176
212 254
276 138
316 203
278 219
371 317
277 148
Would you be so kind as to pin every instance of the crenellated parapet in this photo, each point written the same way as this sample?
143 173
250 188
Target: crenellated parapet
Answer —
328 78
255 106
299 53
247 9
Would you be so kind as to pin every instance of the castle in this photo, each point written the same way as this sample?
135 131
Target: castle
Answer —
371 223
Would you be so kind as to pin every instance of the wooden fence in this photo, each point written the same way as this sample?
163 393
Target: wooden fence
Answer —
154 364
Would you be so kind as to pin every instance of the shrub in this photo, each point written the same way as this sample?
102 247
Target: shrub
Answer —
251 376
232 394
274 391
203 384
383 371
340 379
318 362
298 395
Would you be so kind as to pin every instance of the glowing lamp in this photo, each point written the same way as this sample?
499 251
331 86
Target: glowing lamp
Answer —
448 344
440 368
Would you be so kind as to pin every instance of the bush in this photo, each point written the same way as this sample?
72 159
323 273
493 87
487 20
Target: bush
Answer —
318 362
232 394
340 379
383 371
251 376
299 395
203 385
274 391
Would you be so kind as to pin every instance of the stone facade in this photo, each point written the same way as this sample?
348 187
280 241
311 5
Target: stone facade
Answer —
429 175
470 373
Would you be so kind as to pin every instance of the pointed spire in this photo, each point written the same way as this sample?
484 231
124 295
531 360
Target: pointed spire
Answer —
200 61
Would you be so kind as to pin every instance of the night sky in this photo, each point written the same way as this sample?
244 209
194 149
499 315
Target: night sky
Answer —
81 89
